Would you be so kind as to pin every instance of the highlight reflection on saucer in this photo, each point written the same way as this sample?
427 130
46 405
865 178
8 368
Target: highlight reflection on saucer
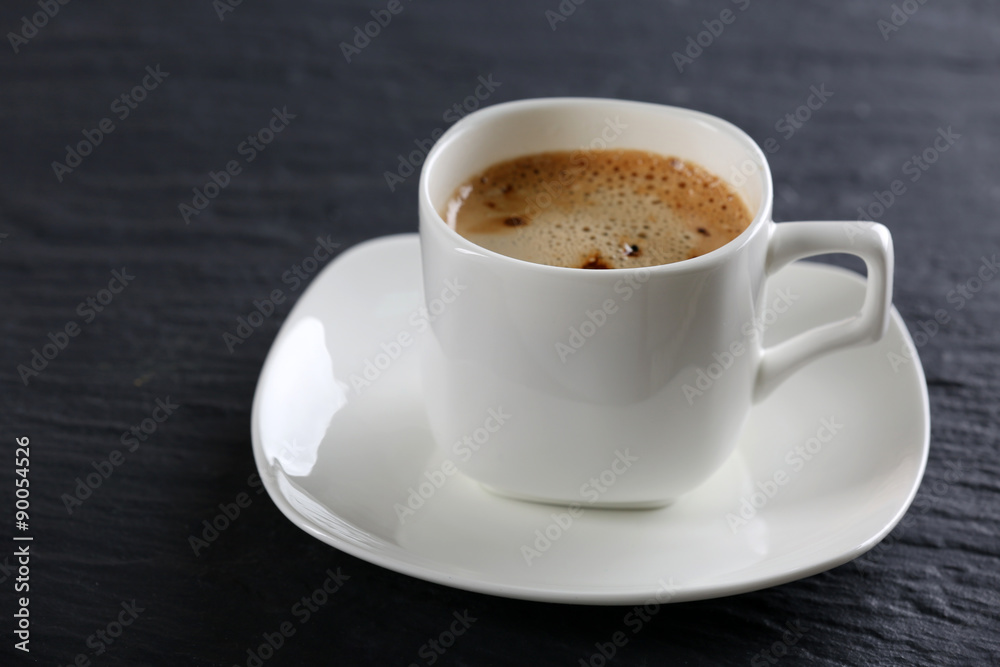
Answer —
299 400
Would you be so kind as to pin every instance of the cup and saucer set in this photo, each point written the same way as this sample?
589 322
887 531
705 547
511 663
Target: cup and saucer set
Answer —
724 424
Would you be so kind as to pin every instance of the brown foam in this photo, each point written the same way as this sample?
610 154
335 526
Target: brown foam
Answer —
598 209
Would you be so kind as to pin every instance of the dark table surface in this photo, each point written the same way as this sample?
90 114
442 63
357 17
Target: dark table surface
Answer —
210 74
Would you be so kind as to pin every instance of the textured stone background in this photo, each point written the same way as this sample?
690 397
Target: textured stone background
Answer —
928 596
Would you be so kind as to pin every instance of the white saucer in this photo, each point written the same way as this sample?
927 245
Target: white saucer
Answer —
338 456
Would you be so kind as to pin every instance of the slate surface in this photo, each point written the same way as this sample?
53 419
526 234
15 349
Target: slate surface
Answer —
929 596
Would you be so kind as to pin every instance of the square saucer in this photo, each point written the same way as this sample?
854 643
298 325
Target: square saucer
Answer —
825 468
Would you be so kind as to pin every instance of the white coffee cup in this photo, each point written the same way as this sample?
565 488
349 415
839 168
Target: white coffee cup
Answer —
567 385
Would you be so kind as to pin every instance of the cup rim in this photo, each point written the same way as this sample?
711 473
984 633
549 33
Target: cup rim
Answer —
702 262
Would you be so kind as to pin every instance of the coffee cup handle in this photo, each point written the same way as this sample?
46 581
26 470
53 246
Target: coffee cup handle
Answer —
791 241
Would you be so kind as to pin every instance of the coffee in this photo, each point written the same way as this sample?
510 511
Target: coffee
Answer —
598 209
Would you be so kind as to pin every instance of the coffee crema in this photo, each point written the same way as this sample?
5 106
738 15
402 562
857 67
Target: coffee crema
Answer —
597 209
